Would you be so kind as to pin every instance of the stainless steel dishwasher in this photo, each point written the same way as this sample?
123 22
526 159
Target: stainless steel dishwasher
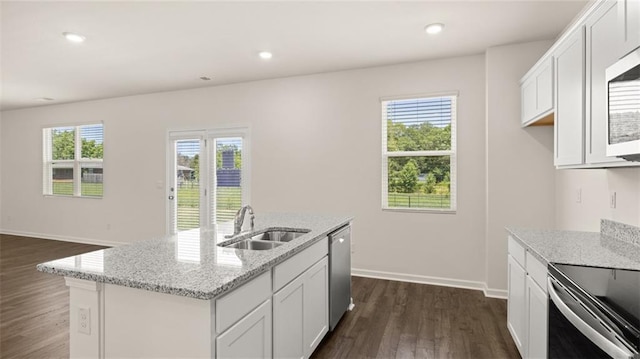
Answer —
339 274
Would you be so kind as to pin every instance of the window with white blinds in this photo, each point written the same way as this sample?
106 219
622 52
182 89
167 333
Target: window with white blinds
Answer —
72 161
419 153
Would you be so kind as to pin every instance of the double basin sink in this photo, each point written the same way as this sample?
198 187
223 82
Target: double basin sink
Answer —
265 240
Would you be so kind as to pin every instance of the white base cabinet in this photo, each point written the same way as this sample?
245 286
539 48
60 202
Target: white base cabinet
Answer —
248 338
527 302
300 311
537 303
516 303
283 312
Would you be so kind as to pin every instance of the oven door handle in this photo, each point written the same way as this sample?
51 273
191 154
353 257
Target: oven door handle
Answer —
592 334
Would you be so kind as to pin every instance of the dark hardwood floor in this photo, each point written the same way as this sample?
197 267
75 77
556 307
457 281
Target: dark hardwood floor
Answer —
390 320
408 320
34 306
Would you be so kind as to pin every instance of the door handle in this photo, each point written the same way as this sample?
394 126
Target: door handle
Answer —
604 343
171 198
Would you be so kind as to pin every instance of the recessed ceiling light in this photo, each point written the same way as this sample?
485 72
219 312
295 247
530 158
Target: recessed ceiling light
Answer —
265 55
71 37
44 99
205 78
432 29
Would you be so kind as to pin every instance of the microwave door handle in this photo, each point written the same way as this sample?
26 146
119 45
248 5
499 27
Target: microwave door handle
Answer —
594 336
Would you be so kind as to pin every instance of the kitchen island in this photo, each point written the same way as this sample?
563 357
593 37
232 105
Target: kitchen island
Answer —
187 296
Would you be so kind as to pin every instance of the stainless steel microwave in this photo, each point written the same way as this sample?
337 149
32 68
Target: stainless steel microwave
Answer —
623 103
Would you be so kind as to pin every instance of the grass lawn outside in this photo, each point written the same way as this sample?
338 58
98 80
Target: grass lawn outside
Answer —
228 201
419 200
65 188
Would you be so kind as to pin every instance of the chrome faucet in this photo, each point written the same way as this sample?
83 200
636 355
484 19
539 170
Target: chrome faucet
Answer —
238 220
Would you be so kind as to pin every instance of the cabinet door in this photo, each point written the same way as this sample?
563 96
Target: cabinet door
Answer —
537 303
569 121
248 338
529 99
544 87
316 305
604 47
301 313
516 304
537 93
629 24
288 320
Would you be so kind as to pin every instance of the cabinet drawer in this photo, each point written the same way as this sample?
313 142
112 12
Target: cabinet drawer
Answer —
537 271
293 267
516 250
242 300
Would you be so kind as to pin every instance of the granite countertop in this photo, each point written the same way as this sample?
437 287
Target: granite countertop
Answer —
190 263
592 249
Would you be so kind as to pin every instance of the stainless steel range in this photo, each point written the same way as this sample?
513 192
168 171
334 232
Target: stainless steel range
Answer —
593 312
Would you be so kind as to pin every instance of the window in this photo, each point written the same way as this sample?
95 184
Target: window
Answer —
419 153
72 161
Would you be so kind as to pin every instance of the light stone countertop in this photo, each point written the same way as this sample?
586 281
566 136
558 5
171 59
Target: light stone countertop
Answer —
591 249
190 263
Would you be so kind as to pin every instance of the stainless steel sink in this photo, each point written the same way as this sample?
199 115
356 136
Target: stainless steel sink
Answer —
265 240
254 245
277 236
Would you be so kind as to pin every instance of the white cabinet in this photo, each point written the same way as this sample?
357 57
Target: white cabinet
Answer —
300 313
516 303
537 92
288 320
569 115
248 338
527 302
603 47
537 303
629 24
316 305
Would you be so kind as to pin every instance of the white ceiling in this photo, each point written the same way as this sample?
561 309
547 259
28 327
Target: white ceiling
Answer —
143 47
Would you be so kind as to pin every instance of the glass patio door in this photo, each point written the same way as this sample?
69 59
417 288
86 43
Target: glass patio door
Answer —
207 177
187 188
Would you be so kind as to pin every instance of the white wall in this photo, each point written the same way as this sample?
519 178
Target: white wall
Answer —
520 172
596 186
315 147
1 173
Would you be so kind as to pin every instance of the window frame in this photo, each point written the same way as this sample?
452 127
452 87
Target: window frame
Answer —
452 153
76 163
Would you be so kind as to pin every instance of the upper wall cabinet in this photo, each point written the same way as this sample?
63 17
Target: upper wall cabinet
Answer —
604 47
569 121
605 32
629 24
537 94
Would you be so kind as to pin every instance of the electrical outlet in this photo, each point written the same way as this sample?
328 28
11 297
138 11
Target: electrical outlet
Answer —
579 195
612 199
84 320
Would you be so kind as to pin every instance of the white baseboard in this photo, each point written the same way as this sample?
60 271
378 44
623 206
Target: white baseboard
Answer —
445 282
495 293
98 242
